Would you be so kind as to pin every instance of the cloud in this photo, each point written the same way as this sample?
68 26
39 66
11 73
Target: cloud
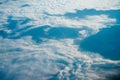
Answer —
23 59
59 57
64 6
94 22
36 13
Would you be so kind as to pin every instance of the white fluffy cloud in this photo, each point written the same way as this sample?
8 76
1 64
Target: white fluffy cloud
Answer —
64 6
35 10
28 60
50 57
94 23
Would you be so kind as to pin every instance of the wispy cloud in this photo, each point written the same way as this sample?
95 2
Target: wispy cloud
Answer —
28 60
51 57
63 6
37 10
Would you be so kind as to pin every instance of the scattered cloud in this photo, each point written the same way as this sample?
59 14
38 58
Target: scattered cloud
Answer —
37 10
29 60
63 6
59 57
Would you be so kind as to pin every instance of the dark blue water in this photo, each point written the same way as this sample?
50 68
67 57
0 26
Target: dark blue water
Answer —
106 42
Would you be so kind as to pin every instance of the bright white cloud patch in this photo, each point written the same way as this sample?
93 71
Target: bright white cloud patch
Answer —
64 6
41 61
36 11
23 59
93 22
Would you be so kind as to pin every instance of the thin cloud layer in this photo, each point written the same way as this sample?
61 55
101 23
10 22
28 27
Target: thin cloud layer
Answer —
64 6
42 61
56 59
38 12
